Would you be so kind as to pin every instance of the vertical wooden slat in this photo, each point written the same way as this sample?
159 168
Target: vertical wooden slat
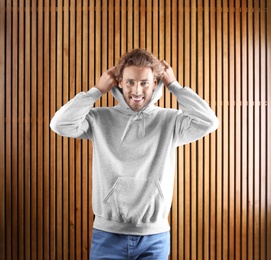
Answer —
117 31
174 211
91 84
6 169
124 26
232 152
14 173
161 33
244 219
53 150
173 217
97 44
65 98
155 24
34 151
212 102
219 165
3 30
187 161
256 137
194 163
92 43
167 42
200 172
250 132
72 93
206 169
78 148
104 50
263 136
136 19
238 105
130 25
27 136
225 215
238 136
85 87
149 24
268 129
111 37
180 151
142 24
40 132
46 133
21 132
59 158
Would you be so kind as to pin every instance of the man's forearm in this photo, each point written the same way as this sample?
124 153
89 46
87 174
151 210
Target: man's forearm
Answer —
70 119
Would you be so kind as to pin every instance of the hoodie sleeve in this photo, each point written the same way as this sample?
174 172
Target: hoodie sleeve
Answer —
73 119
196 119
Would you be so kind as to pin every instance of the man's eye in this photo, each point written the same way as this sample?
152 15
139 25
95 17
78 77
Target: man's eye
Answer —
144 83
130 82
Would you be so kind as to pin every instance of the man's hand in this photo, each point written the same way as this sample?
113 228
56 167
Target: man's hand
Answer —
168 75
107 81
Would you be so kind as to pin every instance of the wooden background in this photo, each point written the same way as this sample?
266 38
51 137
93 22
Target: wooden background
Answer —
51 50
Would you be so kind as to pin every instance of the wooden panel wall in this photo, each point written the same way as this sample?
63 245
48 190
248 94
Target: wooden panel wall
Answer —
51 50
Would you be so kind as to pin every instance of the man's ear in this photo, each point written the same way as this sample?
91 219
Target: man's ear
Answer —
155 83
120 83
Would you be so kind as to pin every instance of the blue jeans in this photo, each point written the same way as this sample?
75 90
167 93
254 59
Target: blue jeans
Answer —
116 246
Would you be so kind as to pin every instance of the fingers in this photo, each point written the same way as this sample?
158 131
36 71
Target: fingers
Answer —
107 81
166 65
112 69
112 73
168 74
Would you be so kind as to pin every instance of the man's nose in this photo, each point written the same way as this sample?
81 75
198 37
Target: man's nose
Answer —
137 88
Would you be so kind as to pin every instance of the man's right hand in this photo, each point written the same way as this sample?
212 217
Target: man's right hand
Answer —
107 81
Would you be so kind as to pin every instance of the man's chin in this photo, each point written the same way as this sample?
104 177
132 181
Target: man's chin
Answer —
136 109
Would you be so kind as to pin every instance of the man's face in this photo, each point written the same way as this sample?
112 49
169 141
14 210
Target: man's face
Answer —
137 85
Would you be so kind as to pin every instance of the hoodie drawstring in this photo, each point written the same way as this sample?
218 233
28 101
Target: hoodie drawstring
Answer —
131 119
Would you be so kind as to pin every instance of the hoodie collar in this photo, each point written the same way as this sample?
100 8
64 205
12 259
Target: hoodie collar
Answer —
136 115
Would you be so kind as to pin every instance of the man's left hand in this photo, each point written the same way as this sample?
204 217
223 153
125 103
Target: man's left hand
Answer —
168 75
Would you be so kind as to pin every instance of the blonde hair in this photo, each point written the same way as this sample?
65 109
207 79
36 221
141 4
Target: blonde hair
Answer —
139 58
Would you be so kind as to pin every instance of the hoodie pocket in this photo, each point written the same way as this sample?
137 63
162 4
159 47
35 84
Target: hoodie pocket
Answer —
134 200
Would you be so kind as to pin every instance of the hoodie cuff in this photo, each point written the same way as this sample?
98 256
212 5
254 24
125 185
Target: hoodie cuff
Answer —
174 87
94 93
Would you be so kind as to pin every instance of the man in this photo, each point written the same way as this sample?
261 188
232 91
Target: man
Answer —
133 153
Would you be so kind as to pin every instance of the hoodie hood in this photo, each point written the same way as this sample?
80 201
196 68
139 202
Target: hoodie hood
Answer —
136 115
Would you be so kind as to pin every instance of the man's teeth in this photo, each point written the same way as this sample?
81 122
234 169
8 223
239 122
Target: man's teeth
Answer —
137 98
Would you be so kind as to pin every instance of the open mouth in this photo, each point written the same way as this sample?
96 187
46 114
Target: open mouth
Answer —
137 99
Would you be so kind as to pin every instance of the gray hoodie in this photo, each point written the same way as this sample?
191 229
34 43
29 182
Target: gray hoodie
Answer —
134 153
